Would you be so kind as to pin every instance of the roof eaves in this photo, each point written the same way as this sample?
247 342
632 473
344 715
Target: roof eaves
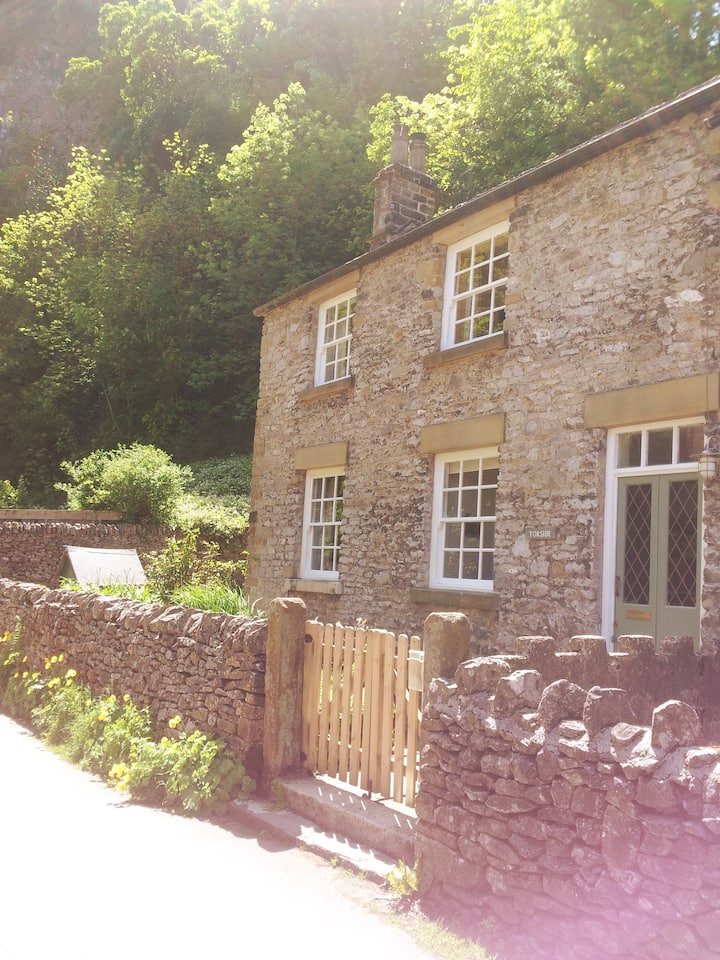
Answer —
694 99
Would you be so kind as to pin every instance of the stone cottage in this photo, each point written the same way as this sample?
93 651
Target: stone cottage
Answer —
503 409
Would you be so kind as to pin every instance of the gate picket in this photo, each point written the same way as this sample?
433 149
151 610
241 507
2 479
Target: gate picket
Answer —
345 706
325 693
311 693
401 677
358 684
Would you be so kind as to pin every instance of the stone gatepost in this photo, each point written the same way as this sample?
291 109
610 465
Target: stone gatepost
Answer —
282 731
446 642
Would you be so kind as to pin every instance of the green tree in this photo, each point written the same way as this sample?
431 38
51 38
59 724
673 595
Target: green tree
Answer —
296 198
531 78
111 326
201 72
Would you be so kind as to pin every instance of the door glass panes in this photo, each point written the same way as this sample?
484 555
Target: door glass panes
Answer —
657 447
630 449
682 544
637 547
691 441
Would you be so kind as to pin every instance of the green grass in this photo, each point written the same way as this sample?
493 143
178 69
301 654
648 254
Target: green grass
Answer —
215 597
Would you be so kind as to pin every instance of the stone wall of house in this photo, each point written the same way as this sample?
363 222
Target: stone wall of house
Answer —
33 550
208 667
614 283
581 829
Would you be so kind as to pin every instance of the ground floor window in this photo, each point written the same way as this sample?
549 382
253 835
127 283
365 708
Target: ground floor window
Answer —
463 531
322 523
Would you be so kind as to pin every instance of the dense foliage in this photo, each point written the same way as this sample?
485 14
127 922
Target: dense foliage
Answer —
140 482
166 166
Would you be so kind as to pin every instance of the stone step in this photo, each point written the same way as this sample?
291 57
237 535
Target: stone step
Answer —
336 821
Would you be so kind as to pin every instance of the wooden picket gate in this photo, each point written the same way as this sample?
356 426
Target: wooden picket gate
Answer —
362 694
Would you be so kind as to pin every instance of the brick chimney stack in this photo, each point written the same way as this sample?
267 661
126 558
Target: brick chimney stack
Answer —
405 196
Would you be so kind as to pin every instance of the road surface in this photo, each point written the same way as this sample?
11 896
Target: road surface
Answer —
86 876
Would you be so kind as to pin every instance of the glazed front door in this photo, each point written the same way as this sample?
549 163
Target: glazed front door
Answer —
658 556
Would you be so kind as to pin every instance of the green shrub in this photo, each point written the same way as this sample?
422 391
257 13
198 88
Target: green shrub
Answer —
214 516
141 482
10 496
229 477
189 561
189 773
13 674
217 502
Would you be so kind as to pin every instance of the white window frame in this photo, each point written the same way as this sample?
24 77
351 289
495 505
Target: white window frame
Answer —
314 524
612 473
441 523
452 298
333 345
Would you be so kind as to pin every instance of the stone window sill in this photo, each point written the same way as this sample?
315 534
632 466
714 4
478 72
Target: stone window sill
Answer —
455 599
328 389
493 344
332 587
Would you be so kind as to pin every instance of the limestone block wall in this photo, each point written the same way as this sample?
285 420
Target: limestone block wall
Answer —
653 672
32 551
208 667
581 831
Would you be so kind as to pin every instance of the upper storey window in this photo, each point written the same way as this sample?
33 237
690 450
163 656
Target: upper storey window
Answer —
476 278
335 338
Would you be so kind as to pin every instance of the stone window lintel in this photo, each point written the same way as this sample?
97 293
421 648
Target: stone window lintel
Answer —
305 585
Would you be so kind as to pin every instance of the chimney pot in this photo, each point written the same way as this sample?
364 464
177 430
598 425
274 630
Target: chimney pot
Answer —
399 146
418 151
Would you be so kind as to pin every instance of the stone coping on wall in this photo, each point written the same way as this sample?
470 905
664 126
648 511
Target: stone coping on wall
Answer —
62 516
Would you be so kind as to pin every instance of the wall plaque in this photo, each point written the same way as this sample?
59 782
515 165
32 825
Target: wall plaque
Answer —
541 533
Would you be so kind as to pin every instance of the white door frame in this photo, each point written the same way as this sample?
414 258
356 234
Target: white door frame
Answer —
612 473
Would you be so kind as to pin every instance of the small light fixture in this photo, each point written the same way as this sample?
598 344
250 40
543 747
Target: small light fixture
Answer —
708 460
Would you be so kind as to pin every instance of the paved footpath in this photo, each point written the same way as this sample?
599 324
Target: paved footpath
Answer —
85 875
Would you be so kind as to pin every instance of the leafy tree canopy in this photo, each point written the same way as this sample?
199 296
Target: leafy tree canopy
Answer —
530 78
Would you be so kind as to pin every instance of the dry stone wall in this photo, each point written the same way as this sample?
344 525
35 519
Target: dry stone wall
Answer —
208 667
32 551
653 672
581 831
